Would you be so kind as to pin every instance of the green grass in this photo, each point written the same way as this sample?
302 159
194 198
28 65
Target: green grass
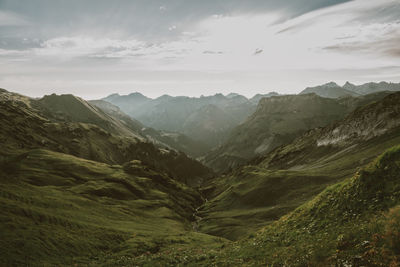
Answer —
351 223
60 209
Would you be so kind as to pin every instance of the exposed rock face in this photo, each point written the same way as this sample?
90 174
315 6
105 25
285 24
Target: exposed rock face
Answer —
365 123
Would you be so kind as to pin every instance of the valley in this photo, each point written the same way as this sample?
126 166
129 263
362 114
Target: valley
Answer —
278 180
190 133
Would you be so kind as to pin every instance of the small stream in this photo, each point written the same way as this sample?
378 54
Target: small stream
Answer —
197 218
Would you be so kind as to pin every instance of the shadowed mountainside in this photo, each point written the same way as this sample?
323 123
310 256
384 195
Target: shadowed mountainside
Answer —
277 121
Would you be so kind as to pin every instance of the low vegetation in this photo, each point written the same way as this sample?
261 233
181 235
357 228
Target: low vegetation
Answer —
89 191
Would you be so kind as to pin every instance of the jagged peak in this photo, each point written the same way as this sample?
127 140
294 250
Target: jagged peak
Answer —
348 84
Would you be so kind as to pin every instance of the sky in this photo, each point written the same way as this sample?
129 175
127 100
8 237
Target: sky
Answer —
93 48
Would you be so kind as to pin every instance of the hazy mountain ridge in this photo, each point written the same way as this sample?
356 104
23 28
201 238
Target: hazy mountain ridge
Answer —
333 90
190 115
176 141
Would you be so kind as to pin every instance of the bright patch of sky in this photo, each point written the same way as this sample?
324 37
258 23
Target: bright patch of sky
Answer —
195 47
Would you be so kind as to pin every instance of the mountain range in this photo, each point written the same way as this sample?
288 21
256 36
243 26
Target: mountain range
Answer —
333 90
207 119
281 180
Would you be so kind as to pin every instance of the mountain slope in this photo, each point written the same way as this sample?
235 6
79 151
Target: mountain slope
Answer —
46 123
208 123
277 121
353 223
130 104
72 191
169 140
252 196
177 141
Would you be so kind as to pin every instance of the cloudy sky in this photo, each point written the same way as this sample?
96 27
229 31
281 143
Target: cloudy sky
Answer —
93 48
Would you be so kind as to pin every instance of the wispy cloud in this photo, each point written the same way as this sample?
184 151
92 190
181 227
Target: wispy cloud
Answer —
8 18
252 44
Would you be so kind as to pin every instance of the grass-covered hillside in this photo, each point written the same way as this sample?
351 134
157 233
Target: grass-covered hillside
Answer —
355 222
257 194
84 131
61 209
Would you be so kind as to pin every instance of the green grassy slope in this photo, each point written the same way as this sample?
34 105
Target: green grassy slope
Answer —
347 224
60 209
351 223
254 196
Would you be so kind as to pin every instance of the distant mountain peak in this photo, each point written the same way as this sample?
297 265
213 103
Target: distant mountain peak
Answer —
137 94
231 95
256 98
331 84
348 84
330 90
113 95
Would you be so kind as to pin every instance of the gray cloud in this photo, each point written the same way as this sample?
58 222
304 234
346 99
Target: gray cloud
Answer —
387 44
149 19
94 47
26 24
